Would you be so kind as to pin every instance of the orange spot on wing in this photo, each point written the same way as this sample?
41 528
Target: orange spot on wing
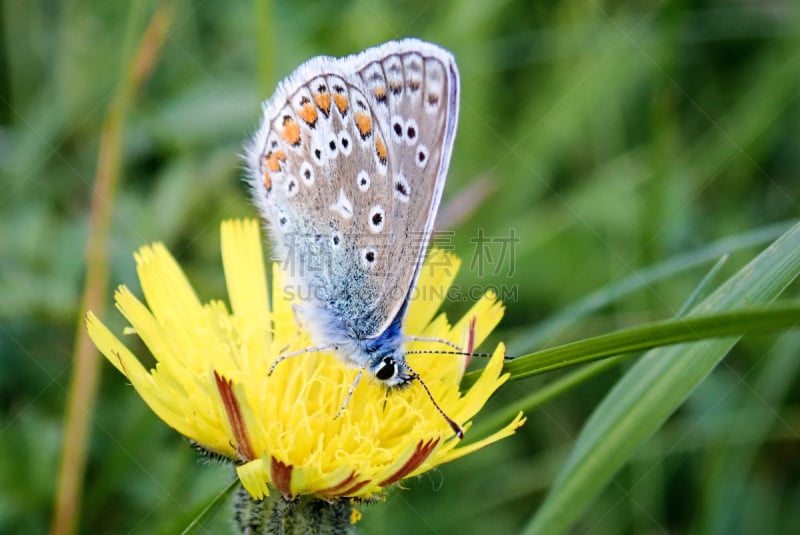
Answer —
323 101
380 93
341 103
380 150
308 113
274 159
364 124
291 131
267 181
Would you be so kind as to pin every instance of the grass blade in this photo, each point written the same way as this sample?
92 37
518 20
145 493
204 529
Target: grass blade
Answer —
654 387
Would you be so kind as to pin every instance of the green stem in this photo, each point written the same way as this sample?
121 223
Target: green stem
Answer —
732 323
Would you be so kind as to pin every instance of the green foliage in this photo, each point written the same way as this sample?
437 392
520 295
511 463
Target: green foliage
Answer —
628 146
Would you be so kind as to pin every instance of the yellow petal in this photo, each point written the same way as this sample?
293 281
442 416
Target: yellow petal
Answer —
165 287
487 311
254 479
245 276
146 386
506 431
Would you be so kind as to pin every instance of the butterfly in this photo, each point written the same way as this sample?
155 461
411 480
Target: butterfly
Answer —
348 168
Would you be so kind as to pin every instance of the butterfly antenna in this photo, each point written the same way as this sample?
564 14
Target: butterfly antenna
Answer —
453 425
470 345
462 353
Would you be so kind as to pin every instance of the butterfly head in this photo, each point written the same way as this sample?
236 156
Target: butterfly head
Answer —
390 369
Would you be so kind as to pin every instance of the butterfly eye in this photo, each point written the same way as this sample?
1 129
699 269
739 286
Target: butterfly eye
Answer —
387 369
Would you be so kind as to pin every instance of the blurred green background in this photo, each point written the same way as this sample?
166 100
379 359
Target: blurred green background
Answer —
608 136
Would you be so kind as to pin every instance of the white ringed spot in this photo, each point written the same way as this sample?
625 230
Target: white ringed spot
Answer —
376 219
362 181
368 257
421 156
411 132
345 143
307 174
402 192
292 187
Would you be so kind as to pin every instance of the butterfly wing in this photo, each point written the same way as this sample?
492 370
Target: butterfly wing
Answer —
348 169
414 93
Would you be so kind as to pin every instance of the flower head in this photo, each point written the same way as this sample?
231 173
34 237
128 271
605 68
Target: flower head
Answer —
211 381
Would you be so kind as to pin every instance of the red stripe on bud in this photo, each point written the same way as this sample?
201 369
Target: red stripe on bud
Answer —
281 476
422 452
234 413
470 340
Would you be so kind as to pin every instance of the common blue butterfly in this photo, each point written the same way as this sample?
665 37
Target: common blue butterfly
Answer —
348 168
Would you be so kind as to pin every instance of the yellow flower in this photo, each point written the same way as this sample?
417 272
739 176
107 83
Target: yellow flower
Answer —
211 381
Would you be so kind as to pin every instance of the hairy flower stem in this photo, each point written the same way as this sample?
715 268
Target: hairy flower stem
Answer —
303 515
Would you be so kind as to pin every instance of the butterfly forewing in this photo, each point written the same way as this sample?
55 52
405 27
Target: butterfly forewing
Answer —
348 169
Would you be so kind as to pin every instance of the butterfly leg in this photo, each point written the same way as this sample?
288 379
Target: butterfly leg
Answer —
350 393
285 356
297 316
